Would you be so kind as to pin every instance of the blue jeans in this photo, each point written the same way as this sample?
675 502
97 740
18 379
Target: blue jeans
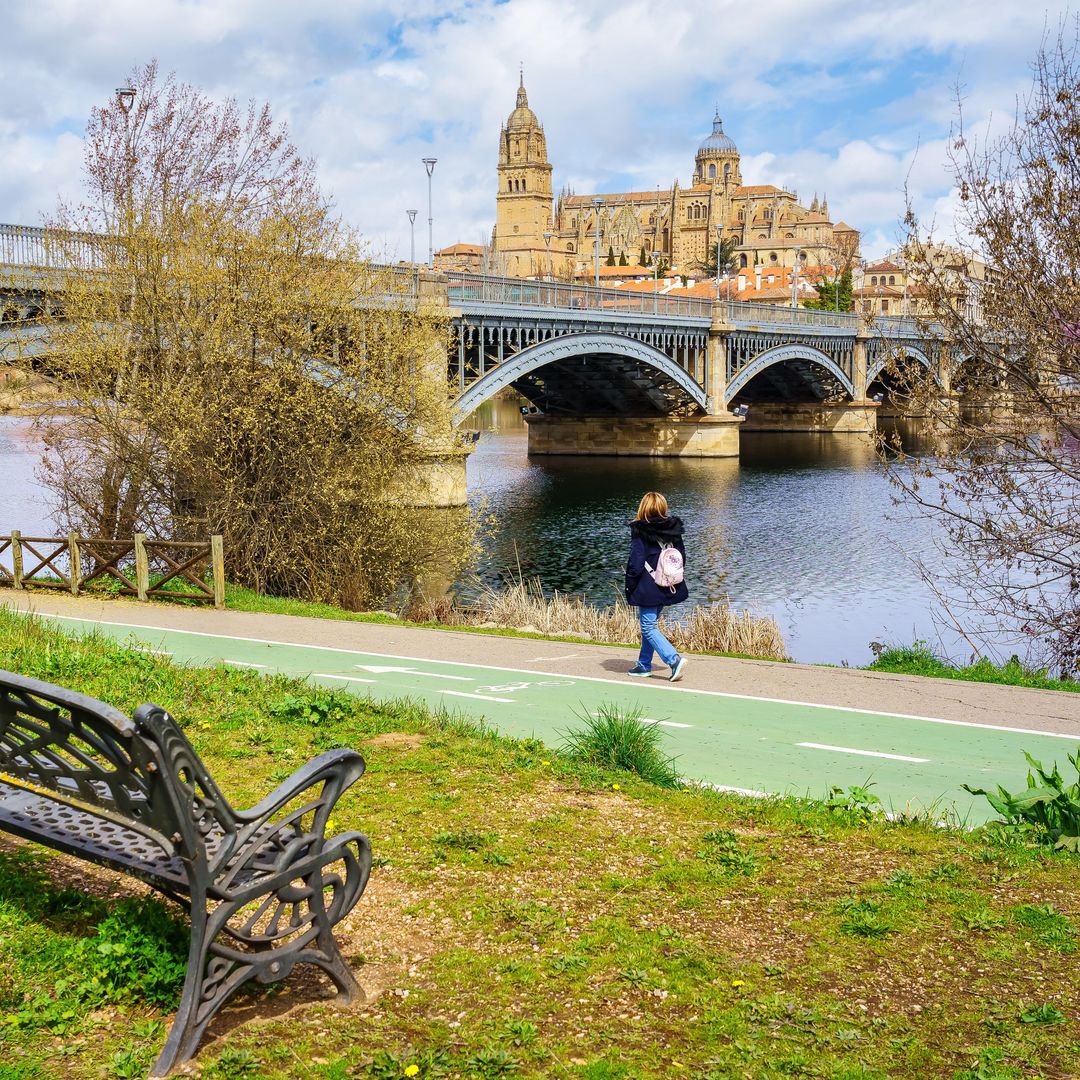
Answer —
653 641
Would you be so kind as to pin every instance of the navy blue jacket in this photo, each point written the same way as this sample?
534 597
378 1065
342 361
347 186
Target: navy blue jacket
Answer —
645 540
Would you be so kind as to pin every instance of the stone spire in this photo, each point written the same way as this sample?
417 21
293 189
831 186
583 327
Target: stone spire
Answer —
814 205
824 206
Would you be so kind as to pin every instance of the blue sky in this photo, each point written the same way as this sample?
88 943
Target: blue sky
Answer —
852 99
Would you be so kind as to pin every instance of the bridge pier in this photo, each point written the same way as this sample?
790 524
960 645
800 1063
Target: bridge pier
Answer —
839 418
621 436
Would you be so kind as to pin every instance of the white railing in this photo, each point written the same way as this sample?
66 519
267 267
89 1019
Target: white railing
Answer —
39 248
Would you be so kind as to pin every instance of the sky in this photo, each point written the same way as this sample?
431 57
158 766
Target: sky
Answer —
852 99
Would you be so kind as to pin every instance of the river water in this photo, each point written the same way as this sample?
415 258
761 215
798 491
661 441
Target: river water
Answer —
803 527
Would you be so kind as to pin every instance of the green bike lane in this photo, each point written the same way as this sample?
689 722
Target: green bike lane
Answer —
743 743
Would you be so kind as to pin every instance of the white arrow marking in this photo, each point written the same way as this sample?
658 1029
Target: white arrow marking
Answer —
480 697
346 678
863 753
377 670
243 663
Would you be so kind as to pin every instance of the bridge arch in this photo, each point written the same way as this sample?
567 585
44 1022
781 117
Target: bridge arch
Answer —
779 354
617 372
909 351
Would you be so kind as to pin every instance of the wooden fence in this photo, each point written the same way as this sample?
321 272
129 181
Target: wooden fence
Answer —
77 564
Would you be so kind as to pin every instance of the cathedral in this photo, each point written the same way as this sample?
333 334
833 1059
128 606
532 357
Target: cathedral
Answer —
535 234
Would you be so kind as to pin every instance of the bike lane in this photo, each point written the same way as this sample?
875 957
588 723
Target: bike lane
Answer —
737 742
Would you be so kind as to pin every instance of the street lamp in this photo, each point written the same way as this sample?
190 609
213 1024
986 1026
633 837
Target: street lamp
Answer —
429 164
412 236
795 278
597 203
125 96
548 234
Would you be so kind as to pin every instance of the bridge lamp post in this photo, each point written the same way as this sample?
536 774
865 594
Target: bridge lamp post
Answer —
429 164
597 203
719 233
795 278
547 243
412 236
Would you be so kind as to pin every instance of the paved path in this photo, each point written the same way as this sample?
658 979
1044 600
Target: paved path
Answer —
741 724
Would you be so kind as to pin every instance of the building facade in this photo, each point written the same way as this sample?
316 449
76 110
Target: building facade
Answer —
536 234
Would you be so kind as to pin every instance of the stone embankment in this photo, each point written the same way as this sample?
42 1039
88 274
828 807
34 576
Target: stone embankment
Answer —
23 394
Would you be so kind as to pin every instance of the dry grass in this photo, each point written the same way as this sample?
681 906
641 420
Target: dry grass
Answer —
522 605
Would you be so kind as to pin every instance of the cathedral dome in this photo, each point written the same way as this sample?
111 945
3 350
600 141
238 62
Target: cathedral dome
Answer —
522 118
717 142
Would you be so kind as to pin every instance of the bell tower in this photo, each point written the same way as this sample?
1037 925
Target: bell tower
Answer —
524 201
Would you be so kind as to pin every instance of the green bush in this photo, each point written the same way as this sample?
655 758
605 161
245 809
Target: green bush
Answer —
616 739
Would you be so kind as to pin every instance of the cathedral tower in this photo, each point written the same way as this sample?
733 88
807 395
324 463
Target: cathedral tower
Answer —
523 204
717 159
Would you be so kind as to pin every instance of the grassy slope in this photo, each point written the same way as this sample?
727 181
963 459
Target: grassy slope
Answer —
530 917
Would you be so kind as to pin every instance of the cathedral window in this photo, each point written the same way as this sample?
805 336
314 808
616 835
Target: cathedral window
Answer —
689 213
712 172
523 184
873 281
772 256
892 279
742 262
742 215
570 248
727 170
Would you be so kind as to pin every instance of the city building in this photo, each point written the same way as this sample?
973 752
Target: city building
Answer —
536 235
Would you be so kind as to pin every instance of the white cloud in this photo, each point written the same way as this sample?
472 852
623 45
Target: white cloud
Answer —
835 96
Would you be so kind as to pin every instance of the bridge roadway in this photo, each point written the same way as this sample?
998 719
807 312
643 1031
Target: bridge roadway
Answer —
744 725
606 371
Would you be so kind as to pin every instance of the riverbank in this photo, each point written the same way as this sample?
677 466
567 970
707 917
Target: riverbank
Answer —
23 394
532 916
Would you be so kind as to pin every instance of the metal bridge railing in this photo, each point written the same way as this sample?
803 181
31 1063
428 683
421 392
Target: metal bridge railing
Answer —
482 289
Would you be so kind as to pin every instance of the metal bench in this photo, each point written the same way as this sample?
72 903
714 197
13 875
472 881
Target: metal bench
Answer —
264 886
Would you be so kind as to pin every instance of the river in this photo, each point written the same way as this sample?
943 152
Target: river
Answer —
803 527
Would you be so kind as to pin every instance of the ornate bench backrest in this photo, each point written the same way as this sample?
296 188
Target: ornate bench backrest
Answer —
140 773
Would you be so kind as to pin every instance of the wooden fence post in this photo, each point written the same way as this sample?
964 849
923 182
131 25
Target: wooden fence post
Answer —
217 562
76 562
16 558
142 566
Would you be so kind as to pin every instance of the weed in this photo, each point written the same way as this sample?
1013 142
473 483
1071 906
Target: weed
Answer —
491 1062
864 919
567 962
233 1063
1048 803
466 840
130 1063
1042 1014
1049 925
723 852
856 801
320 707
519 1033
989 1066
622 739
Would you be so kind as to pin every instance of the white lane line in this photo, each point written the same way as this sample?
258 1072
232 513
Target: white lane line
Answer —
480 697
154 652
752 792
344 678
663 723
242 663
863 753
551 659
661 686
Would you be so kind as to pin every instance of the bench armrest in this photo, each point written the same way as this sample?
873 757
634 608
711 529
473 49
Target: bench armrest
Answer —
338 769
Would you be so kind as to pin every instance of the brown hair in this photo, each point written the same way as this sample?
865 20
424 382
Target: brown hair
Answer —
653 507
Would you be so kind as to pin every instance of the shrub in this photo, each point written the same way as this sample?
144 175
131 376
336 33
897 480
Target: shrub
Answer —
616 739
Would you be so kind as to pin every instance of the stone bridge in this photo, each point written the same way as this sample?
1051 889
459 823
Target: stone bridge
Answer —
608 371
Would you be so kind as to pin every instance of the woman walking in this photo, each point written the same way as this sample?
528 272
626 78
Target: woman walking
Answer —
654 580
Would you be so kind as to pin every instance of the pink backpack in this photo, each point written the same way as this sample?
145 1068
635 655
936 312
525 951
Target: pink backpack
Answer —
669 568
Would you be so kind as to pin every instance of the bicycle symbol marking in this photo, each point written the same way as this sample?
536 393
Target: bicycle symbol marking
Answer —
509 688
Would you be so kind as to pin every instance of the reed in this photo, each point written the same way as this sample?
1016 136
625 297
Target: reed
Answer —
523 605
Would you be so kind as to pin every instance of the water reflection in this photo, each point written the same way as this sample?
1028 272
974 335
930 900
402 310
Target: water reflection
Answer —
802 526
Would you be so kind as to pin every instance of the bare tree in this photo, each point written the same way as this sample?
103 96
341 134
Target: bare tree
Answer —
1005 472
236 362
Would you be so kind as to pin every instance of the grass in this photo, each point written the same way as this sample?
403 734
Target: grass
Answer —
529 918
919 659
